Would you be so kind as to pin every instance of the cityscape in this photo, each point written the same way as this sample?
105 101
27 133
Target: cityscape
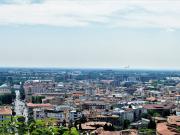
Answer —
94 101
89 67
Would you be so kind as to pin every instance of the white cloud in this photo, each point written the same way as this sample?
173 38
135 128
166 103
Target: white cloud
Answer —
116 13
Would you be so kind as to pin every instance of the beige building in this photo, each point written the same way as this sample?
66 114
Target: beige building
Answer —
5 113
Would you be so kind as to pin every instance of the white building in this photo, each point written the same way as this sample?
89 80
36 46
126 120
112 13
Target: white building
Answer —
4 89
73 115
56 114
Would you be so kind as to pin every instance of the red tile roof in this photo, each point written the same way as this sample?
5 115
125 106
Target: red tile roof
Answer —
100 131
31 105
5 110
159 106
163 129
174 120
151 99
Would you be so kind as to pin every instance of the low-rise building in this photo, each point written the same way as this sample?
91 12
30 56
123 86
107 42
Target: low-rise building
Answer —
100 131
56 114
4 89
38 87
74 115
36 111
171 127
94 105
164 109
5 113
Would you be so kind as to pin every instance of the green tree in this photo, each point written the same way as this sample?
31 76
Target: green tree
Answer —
152 124
72 131
156 114
126 124
37 99
17 125
147 131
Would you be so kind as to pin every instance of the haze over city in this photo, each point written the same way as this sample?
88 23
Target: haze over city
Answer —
89 67
90 33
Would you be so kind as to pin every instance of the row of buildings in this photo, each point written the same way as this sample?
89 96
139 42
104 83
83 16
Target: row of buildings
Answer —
102 102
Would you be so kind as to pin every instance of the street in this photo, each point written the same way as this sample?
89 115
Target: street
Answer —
19 106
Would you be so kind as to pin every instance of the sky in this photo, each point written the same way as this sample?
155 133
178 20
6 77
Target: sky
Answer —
90 33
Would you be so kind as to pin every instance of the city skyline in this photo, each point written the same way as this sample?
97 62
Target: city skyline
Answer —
90 34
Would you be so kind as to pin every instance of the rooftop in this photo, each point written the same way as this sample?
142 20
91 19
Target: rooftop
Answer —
4 86
152 99
163 129
5 110
31 105
174 120
92 125
123 132
160 106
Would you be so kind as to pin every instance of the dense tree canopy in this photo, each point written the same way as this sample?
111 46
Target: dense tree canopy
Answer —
17 125
37 99
6 99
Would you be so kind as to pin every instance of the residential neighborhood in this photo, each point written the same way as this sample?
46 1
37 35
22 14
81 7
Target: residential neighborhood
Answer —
110 102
